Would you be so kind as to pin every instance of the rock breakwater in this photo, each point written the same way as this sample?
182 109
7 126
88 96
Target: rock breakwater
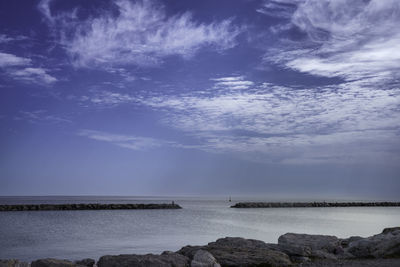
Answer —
313 204
85 206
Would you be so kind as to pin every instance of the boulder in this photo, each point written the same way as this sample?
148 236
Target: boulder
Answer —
311 243
189 251
238 242
391 230
203 258
86 262
384 245
169 259
13 263
54 263
303 246
345 242
295 251
236 251
249 257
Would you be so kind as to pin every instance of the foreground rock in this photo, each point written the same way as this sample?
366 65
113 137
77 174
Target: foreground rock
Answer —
312 246
54 263
94 206
354 263
384 245
86 262
305 248
236 251
204 258
292 250
313 204
167 259
302 249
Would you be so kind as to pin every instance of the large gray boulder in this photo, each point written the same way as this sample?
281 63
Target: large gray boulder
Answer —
390 230
346 241
13 263
86 262
203 258
236 251
189 251
238 242
303 247
384 245
311 243
54 263
168 259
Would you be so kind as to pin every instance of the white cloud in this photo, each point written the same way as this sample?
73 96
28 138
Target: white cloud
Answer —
38 75
126 141
107 98
20 68
349 122
346 123
349 39
9 60
279 8
44 8
140 34
234 83
7 39
4 38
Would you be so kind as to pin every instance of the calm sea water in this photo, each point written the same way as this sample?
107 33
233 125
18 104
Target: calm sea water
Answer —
74 235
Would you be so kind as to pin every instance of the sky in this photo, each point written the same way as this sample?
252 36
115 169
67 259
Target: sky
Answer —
188 97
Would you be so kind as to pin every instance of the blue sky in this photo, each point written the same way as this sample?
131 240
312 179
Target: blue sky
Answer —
270 97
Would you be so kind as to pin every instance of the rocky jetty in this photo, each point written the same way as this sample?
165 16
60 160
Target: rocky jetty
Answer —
292 250
85 206
313 204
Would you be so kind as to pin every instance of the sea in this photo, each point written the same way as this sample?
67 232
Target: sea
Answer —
73 235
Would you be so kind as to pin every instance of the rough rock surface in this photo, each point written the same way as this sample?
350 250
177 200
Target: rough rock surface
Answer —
168 259
203 258
236 251
345 242
54 263
390 230
86 262
384 245
353 263
314 242
313 246
303 248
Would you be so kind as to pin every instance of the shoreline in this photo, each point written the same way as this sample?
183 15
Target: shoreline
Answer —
89 206
292 249
313 204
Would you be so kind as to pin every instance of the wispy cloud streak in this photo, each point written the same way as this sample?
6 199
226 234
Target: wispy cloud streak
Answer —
343 123
9 60
126 141
140 34
348 39
234 82
20 68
